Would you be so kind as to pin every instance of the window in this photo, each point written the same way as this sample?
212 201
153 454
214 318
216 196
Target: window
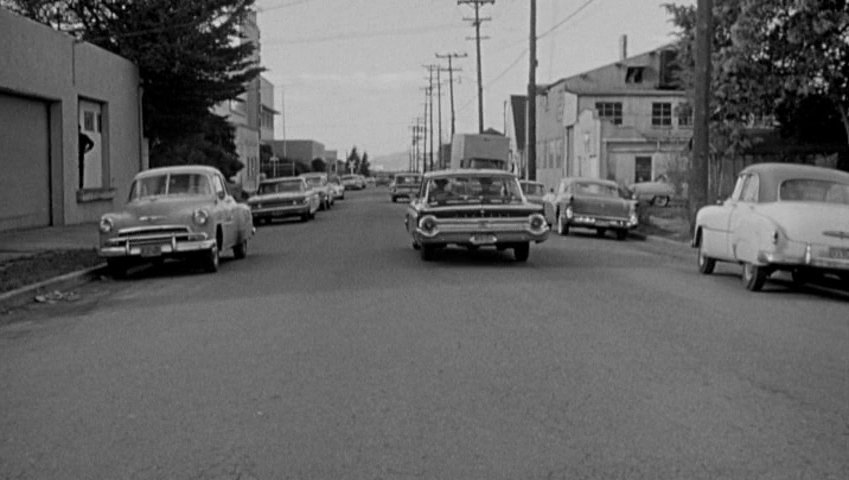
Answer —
642 169
93 155
634 75
750 189
610 111
738 187
661 114
684 112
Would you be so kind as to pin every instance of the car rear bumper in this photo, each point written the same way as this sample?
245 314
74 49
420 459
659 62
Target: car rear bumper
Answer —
591 221
283 211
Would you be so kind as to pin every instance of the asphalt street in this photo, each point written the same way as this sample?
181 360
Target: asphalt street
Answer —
334 352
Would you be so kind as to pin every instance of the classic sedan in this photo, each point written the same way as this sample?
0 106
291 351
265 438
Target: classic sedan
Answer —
534 191
283 197
318 181
658 193
473 208
336 187
591 203
404 185
779 217
353 182
181 212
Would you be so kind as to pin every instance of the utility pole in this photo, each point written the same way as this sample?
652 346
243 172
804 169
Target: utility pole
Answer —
424 126
531 135
430 69
451 70
439 115
477 23
699 168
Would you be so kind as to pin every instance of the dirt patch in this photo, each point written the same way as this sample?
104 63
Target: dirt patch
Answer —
27 270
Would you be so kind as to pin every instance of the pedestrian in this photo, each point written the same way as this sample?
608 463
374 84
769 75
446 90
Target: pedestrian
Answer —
85 144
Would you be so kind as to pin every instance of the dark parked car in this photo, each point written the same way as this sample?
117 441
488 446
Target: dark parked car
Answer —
591 203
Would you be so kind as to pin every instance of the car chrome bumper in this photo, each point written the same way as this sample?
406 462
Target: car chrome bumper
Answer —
155 249
457 234
600 222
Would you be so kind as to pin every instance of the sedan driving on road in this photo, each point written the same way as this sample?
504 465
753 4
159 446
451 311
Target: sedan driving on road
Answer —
404 185
473 208
779 217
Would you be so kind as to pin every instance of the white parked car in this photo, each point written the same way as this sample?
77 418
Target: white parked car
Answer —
780 217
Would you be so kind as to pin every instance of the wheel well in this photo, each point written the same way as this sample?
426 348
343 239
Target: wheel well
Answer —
219 236
697 237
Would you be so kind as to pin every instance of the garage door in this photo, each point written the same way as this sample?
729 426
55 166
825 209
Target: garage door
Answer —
24 157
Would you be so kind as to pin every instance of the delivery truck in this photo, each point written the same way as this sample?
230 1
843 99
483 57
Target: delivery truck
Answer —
480 150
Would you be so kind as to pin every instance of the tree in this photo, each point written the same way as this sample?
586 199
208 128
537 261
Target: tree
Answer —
186 58
769 57
318 165
352 164
364 165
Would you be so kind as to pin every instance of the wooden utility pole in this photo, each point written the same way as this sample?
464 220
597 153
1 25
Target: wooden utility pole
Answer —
700 156
425 130
477 23
531 135
451 71
439 116
430 69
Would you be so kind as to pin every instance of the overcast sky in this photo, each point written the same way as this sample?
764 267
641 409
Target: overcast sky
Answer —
350 72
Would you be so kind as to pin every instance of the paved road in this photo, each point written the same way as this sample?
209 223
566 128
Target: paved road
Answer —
334 352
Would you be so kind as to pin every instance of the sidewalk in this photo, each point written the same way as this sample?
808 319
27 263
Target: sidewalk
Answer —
46 258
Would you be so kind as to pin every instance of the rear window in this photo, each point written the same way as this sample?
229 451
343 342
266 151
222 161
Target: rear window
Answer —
533 189
407 179
807 190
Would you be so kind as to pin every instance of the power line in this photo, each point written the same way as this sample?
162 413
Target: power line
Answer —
477 23
568 17
357 35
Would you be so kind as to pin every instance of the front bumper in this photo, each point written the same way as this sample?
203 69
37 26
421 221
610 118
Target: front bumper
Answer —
481 233
155 246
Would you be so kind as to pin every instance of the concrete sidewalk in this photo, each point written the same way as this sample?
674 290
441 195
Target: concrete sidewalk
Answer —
20 243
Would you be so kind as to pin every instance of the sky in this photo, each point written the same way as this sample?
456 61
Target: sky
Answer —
352 72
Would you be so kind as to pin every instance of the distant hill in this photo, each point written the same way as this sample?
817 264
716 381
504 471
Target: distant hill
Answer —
393 162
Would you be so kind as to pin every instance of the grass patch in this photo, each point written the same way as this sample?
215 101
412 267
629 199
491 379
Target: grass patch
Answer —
23 271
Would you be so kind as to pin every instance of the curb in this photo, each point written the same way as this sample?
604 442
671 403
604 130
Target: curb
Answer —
25 294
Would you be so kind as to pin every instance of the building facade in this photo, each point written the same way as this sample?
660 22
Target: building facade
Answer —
624 122
70 127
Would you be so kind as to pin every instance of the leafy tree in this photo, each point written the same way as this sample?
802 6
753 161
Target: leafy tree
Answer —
186 58
770 57
318 165
364 165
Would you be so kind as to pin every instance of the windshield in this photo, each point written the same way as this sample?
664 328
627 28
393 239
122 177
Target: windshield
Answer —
596 189
533 189
407 179
316 181
170 184
280 187
466 189
805 190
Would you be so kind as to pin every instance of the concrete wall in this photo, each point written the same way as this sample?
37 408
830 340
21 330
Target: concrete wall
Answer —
40 63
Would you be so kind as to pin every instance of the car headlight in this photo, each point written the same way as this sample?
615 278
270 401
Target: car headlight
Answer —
200 216
427 225
569 212
106 225
537 222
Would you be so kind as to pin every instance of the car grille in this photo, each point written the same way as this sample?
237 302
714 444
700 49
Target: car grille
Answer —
155 235
482 214
278 203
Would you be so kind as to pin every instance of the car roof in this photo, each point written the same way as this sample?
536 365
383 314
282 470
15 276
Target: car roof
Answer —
282 179
771 175
454 172
201 169
600 181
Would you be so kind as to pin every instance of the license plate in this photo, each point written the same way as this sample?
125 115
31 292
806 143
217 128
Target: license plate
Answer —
839 253
151 251
483 239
